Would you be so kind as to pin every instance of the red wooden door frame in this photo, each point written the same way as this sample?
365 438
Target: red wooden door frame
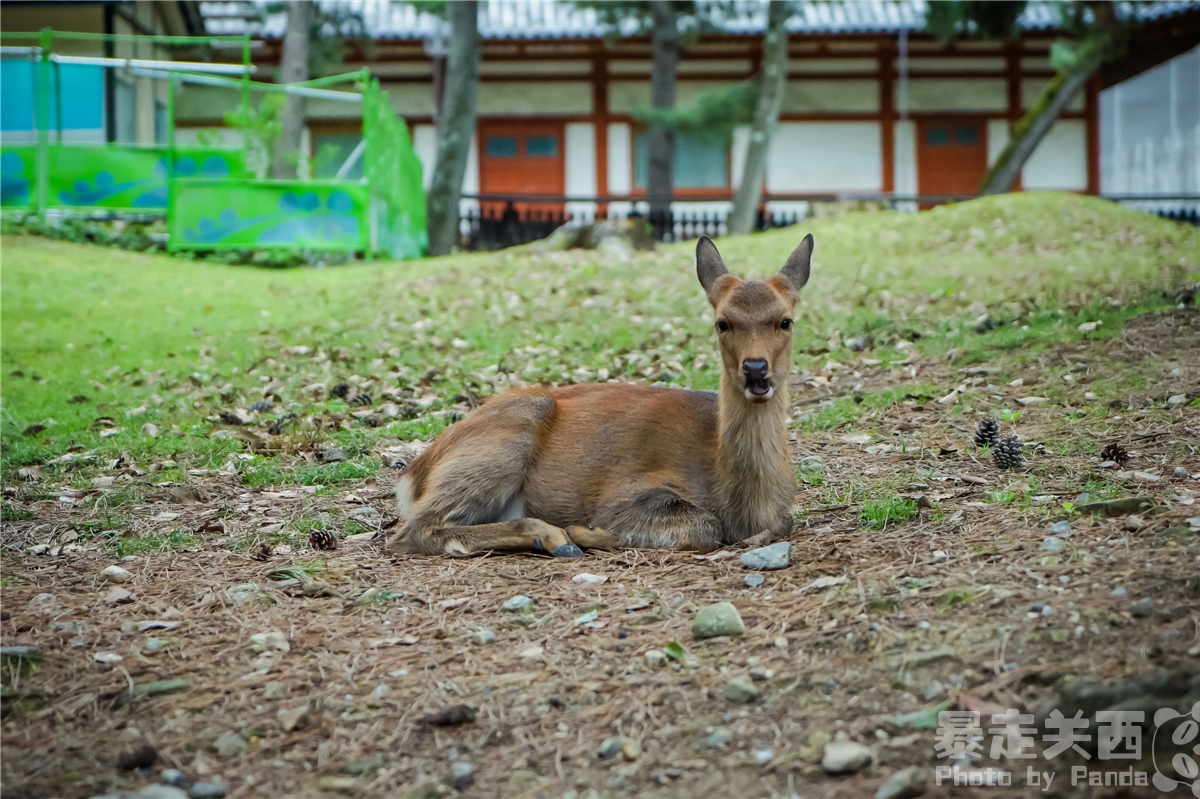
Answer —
952 167
522 173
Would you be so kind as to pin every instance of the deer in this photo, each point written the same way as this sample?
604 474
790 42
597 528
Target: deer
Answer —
557 470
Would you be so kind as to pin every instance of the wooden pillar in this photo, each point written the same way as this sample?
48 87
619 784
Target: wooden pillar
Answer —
887 113
600 117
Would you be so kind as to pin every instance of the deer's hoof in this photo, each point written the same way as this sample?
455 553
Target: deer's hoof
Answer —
568 551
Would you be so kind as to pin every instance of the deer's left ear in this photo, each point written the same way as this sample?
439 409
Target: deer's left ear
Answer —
795 271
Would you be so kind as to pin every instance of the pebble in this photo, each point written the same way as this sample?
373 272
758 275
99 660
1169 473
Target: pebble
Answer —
933 690
333 455
292 718
656 657
844 757
115 574
1182 472
118 596
1143 607
230 743
716 740
741 690
630 749
519 602
1118 592
206 790
753 580
812 464
904 784
1058 528
590 579
149 792
1193 522
1133 523
763 756
1052 545
154 644
775 556
856 344
462 774
171 776
274 690
761 674
483 637
718 619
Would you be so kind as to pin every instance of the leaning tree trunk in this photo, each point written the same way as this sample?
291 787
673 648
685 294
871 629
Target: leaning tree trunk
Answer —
660 177
458 125
773 80
1041 116
293 69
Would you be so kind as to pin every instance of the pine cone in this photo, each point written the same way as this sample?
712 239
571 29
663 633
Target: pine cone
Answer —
322 539
359 400
1007 453
1115 452
339 391
264 552
987 433
276 427
230 418
266 406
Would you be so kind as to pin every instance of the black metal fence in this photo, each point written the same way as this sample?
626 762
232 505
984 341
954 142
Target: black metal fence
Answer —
505 221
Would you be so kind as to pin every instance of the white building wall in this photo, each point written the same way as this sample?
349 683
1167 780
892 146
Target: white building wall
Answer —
904 172
581 159
737 155
424 139
997 138
534 98
620 158
1060 160
825 156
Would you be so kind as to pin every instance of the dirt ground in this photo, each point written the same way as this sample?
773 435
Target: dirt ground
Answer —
343 697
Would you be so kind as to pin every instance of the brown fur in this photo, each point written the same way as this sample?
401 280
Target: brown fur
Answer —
605 465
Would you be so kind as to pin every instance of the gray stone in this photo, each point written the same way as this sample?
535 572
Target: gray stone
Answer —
812 464
717 740
753 580
1193 522
115 574
230 743
1058 528
294 718
1143 607
609 748
845 757
483 637
1052 545
158 792
333 455
171 776
274 690
518 603
1182 472
775 556
1117 507
932 690
904 784
720 618
154 644
462 774
856 344
1118 592
741 690
206 790
1134 523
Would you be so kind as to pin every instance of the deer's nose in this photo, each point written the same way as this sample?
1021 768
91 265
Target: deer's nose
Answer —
755 368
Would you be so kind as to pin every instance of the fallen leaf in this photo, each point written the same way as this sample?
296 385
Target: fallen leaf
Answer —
405 640
1029 401
949 399
856 438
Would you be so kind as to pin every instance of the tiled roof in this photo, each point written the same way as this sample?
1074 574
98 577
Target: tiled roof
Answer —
552 19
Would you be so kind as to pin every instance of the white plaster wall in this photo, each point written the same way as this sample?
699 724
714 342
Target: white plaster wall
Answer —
410 99
955 64
825 156
904 168
737 154
535 98
620 158
534 68
818 65
424 139
625 97
1032 87
957 94
804 95
997 138
581 159
471 176
1060 160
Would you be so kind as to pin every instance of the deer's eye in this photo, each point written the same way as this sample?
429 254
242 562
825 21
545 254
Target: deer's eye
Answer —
722 325
786 324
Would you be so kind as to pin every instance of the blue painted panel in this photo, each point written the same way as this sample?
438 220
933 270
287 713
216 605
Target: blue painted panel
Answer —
82 96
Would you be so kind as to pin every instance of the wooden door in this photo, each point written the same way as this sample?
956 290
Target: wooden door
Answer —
522 158
951 156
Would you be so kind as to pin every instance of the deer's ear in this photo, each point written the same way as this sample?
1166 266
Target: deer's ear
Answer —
709 268
795 271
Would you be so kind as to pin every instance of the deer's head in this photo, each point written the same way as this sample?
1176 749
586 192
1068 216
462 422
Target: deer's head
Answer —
754 320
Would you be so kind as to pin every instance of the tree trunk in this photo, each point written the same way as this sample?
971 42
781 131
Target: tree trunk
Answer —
293 69
660 177
773 80
1041 116
458 125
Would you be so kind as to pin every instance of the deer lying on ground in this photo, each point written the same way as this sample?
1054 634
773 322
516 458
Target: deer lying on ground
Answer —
613 465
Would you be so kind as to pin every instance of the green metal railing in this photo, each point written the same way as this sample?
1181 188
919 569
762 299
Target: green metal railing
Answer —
209 195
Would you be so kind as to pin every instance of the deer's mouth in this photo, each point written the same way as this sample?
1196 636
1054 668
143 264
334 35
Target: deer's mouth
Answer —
758 387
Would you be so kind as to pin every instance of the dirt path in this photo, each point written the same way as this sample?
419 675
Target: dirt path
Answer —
325 679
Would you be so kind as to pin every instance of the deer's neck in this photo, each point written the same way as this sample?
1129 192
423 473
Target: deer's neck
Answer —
757 485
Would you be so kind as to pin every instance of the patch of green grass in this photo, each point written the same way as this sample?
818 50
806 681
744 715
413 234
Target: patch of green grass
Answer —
303 571
880 513
11 512
272 473
154 543
421 429
954 597
843 411
1001 497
